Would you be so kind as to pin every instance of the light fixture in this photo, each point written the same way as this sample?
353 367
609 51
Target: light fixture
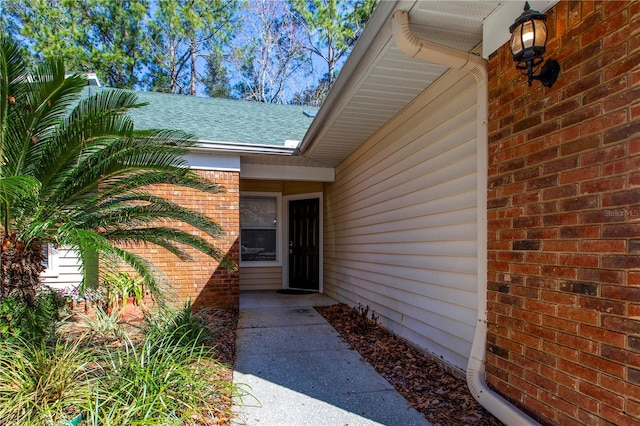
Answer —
528 44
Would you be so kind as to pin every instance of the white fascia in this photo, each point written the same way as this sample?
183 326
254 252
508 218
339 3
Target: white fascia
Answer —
291 173
225 156
242 148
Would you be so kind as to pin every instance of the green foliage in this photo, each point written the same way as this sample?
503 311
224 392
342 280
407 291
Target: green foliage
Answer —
333 27
73 145
101 36
105 325
167 379
168 320
181 33
121 286
187 46
40 383
216 81
20 320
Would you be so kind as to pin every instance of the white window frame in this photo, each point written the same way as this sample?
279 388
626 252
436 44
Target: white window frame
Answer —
53 259
278 262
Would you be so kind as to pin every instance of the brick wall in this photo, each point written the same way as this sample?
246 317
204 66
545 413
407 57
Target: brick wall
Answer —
202 280
564 222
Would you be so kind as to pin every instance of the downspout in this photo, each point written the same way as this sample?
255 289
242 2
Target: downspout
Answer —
431 52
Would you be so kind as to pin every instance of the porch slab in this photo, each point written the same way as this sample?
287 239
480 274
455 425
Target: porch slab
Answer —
296 316
300 372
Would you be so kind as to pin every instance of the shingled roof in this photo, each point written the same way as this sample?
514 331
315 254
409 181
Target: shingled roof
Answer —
224 120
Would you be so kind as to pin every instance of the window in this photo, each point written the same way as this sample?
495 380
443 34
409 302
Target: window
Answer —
50 260
259 237
45 255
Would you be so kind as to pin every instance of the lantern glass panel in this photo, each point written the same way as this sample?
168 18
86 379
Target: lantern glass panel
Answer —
528 35
540 33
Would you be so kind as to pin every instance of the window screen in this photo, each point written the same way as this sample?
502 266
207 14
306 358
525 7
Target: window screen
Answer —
258 227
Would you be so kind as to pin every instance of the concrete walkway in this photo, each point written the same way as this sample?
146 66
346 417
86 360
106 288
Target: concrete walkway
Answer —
302 373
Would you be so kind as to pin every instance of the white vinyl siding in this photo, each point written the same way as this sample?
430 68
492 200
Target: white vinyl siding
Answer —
65 269
263 278
401 231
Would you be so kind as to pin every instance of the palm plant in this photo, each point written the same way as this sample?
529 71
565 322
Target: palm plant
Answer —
75 172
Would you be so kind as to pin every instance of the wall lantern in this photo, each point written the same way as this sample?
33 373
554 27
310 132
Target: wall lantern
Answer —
528 44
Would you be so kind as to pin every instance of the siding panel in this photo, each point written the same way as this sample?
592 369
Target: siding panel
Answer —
67 272
267 278
401 224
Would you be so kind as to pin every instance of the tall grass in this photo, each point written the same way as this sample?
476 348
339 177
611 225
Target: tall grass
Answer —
167 379
42 384
167 321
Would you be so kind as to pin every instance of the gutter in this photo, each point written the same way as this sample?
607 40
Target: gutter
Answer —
242 148
431 52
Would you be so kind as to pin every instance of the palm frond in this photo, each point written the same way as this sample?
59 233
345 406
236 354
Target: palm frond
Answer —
145 269
121 210
76 172
46 103
13 73
143 178
109 160
18 186
165 237
15 187
93 124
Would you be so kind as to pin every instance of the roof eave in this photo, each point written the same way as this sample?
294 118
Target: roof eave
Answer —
357 64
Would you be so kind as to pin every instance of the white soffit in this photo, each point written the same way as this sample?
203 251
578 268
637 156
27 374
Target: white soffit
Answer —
378 81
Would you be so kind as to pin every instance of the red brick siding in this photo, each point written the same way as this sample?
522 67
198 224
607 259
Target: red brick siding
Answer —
202 280
564 222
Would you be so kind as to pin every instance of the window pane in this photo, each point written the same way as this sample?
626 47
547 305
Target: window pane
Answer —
257 212
45 255
258 245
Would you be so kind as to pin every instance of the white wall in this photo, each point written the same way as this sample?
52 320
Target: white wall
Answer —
400 222
64 270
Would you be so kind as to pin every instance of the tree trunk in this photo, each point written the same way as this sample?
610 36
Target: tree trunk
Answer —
173 72
20 268
194 57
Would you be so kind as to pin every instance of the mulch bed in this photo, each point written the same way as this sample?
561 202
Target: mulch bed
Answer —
439 396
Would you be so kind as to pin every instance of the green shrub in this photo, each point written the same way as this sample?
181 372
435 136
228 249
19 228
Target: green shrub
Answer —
30 321
167 321
169 378
121 286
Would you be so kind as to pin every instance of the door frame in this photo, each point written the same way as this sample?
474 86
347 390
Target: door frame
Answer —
285 245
